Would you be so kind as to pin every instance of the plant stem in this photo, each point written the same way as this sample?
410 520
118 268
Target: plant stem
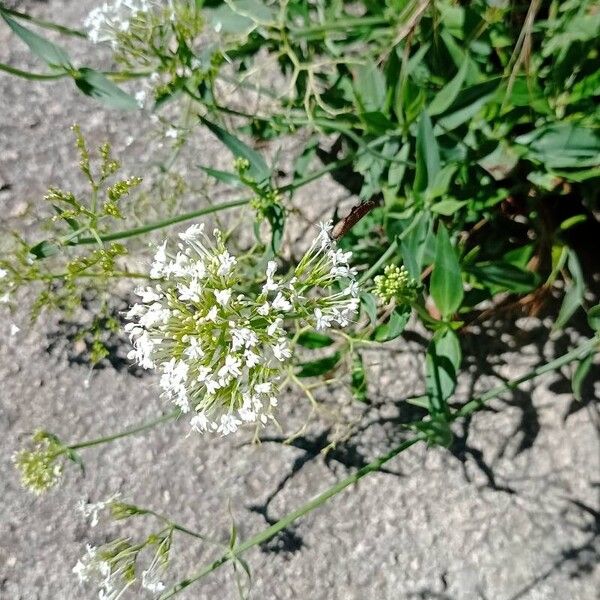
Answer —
268 533
34 76
382 259
129 431
581 351
127 233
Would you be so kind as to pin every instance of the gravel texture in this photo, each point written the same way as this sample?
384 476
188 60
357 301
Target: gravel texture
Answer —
511 511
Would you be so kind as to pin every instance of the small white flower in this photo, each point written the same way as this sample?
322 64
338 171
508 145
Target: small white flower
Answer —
252 359
14 329
189 292
171 132
264 309
3 273
228 424
211 315
193 232
194 350
225 262
281 351
263 388
322 320
199 422
231 367
223 296
280 303
5 298
148 294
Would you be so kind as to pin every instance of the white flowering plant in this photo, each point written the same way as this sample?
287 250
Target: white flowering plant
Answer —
420 120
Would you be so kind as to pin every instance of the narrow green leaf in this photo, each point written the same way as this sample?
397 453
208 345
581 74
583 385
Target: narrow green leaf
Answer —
96 85
442 364
358 378
259 170
579 375
446 284
224 176
319 367
369 305
50 53
446 96
394 326
369 86
414 242
574 294
428 154
313 339
593 316
44 249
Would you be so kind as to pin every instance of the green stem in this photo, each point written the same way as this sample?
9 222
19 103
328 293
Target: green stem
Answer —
34 76
583 350
268 533
127 233
382 260
42 22
129 431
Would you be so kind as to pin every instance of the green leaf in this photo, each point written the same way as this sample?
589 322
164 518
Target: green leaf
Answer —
319 367
448 207
44 249
369 86
437 430
414 242
96 85
467 104
313 339
276 216
50 53
503 276
428 155
394 326
574 294
358 378
579 375
446 284
562 145
446 96
258 170
442 364
369 305
593 316
224 176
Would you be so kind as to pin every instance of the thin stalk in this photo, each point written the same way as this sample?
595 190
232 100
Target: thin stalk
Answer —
33 76
127 432
581 351
382 259
286 521
127 233
42 23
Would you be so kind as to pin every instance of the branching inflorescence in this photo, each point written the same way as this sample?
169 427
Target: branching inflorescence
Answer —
221 351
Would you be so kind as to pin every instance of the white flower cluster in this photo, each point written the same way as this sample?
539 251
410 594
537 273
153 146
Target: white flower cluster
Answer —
92 568
105 21
221 351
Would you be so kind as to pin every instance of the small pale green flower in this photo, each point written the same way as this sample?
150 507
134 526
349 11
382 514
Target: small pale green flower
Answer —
38 465
396 283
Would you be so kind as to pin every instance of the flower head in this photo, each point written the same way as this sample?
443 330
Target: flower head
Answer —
220 351
396 283
39 466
